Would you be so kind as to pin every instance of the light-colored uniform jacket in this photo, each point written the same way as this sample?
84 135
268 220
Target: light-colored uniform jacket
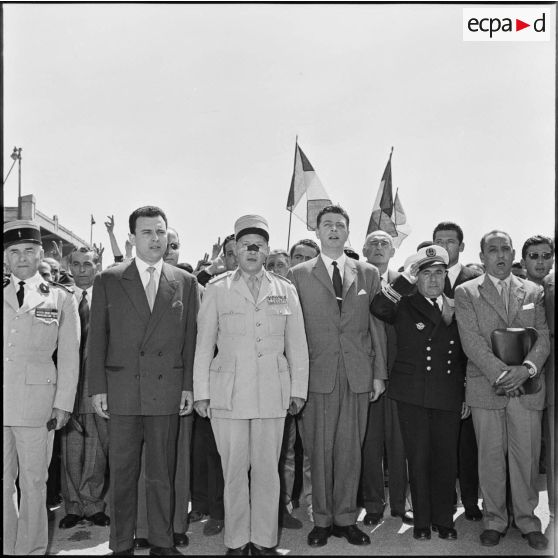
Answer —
479 310
262 357
33 384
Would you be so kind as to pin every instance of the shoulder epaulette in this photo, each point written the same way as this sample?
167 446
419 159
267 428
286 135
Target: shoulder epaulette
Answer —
281 277
6 281
220 276
67 288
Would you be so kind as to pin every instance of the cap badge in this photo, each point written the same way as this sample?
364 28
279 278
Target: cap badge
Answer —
19 234
430 252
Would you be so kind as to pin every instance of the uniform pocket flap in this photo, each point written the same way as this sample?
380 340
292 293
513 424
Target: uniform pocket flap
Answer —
40 373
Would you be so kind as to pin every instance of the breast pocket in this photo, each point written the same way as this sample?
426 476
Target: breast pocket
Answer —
277 319
233 322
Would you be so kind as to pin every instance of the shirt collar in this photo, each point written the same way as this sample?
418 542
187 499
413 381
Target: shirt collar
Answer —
454 271
142 266
31 283
246 276
439 301
79 291
496 281
340 262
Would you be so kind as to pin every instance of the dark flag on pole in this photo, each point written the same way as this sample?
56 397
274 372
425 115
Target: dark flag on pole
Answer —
92 220
305 182
388 214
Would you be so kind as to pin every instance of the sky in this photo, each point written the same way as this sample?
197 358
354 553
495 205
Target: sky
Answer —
195 108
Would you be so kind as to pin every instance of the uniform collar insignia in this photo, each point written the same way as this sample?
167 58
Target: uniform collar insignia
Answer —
44 288
420 326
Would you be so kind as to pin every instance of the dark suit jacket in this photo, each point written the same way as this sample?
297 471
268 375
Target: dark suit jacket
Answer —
142 360
429 369
353 333
391 334
466 274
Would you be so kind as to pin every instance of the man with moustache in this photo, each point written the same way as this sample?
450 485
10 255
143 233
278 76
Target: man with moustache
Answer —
450 236
509 424
84 454
139 369
347 370
254 319
39 318
383 421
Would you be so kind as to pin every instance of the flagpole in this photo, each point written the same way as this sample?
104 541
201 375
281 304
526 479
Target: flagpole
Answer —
91 234
291 211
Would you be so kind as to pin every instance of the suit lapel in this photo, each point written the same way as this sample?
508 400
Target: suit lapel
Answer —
349 275
165 293
132 285
517 295
32 299
488 291
320 273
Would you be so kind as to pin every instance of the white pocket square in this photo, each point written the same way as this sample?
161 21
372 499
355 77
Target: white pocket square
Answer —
528 306
362 292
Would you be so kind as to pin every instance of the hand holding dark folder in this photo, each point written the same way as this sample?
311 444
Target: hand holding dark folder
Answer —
512 345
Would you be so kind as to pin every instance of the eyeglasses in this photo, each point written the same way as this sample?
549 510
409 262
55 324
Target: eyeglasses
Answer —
535 255
174 245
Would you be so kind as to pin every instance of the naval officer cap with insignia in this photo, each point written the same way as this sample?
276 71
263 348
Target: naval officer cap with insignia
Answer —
427 268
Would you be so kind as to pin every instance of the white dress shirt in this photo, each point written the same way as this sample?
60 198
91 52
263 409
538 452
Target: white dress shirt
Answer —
340 265
453 272
145 275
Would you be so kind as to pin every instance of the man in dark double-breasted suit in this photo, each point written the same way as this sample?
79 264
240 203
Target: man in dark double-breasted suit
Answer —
139 368
427 381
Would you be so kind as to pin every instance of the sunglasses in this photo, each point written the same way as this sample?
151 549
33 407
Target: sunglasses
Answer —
535 255
174 245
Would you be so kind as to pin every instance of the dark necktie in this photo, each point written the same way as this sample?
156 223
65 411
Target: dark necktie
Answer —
83 311
337 284
435 304
447 287
20 293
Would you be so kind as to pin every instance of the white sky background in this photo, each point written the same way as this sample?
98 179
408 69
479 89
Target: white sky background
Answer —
195 108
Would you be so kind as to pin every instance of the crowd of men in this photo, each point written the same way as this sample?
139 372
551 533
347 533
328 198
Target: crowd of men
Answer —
208 392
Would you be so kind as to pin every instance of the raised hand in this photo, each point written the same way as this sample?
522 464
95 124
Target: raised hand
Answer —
110 224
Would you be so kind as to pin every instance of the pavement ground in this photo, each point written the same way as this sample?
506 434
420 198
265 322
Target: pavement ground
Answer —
389 538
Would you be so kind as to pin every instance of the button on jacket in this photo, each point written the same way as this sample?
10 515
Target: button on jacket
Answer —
262 357
47 321
429 369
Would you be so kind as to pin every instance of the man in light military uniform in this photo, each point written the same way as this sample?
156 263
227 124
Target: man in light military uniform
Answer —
39 317
254 319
